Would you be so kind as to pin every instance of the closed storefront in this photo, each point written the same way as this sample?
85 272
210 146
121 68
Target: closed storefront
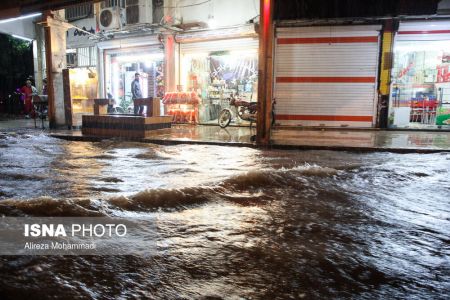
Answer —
326 75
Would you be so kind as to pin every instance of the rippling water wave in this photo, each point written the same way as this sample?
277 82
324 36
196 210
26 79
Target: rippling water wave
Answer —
234 222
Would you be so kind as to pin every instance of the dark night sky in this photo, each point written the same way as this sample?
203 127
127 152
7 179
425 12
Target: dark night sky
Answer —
321 9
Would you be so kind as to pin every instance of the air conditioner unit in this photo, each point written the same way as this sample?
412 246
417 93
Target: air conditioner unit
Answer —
110 18
139 12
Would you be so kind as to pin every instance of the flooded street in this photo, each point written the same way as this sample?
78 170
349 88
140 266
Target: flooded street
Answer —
233 223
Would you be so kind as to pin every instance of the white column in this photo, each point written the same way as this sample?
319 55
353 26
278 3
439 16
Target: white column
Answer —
55 40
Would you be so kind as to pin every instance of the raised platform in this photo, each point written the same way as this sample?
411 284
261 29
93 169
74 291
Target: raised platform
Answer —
126 126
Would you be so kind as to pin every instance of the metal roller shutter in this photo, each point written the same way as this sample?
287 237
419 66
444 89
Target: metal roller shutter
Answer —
140 50
326 75
423 31
241 44
130 42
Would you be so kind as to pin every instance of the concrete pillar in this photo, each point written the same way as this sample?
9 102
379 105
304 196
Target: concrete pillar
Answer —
265 73
55 44
170 63
387 41
101 73
100 60
36 74
386 61
39 57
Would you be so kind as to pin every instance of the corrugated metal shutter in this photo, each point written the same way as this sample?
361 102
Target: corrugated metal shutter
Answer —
423 31
326 75
220 45
136 50
130 42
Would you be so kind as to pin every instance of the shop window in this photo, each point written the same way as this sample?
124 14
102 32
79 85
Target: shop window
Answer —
113 3
158 10
86 57
420 95
83 84
71 58
132 11
80 11
83 57
215 76
120 69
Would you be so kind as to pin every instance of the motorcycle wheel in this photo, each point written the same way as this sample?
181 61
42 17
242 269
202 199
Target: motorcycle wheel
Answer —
224 118
120 110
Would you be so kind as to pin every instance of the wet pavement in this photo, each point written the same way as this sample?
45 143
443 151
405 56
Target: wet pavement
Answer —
20 123
364 140
303 139
342 139
180 134
211 134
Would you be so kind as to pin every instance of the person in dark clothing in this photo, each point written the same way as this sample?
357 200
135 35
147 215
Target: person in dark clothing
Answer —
383 106
136 94
44 87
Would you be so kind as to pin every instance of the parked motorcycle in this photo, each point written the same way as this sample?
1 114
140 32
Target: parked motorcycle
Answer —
244 110
113 107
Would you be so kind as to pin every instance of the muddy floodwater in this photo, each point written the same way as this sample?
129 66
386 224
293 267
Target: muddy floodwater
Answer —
233 223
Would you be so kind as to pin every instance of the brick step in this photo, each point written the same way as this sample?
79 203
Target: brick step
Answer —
123 125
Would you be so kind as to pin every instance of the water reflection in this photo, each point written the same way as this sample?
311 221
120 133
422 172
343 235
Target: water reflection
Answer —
235 222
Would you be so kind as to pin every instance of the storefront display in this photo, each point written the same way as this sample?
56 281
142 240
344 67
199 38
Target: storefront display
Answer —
183 106
120 68
420 93
216 75
79 93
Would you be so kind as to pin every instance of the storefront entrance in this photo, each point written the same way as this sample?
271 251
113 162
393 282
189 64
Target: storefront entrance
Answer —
120 68
215 70
420 91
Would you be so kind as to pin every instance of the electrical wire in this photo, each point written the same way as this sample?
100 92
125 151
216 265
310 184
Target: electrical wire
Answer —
189 5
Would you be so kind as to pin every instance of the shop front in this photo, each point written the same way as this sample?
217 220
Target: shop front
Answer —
212 68
80 90
121 60
326 75
80 83
420 90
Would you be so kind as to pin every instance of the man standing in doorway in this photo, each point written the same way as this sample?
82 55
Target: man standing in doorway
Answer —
136 94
